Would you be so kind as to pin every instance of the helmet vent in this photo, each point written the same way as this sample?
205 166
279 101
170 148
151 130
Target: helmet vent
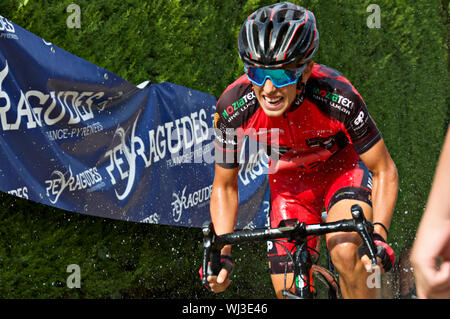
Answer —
298 14
268 34
281 15
282 36
256 44
262 16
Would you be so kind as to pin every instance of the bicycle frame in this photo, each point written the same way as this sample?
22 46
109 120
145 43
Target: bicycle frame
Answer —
295 232
302 264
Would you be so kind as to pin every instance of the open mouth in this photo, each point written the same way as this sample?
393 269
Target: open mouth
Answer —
273 103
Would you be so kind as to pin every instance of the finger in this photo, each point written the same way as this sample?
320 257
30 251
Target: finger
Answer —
219 287
423 282
211 279
367 263
440 282
216 288
443 273
223 274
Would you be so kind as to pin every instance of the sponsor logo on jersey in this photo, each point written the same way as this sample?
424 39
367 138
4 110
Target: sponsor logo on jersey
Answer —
232 110
359 119
334 99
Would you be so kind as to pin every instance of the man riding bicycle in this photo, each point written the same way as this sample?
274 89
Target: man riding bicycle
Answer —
327 151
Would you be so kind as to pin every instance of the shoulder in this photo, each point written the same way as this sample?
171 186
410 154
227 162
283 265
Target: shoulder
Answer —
332 92
335 96
235 103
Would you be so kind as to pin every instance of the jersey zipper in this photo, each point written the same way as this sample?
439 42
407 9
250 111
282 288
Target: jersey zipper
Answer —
289 129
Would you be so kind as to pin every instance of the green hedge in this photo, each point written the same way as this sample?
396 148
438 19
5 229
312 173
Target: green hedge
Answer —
400 69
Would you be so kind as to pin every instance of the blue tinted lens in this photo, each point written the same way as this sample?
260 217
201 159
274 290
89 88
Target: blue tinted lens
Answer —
279 77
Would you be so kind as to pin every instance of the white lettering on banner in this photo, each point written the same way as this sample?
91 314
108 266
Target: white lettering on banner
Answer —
60 134
152 219
191 132
181 201
4 96
7 30
130 157
19 192
6 25
56 186
8 36
31 106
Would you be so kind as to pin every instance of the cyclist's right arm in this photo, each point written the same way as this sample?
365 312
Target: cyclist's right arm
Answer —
224 208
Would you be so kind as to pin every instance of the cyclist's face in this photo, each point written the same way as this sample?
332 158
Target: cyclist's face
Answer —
275 101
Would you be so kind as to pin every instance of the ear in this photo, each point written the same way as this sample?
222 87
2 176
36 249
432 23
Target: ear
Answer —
307 72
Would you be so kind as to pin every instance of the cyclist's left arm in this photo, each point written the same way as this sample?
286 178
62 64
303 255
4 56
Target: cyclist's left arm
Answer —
385 186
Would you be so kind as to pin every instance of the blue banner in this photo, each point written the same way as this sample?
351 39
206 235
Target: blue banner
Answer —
78 137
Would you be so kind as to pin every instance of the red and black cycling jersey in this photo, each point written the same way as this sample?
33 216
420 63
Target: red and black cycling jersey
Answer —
326 115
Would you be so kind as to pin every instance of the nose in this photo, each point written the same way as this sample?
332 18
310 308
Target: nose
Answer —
268 87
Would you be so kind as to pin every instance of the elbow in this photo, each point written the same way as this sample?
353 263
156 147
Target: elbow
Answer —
390 175
393 173
387 175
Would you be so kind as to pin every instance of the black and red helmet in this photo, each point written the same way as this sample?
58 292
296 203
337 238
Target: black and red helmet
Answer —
278 35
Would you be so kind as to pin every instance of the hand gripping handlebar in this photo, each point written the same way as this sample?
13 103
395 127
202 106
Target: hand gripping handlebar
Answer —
211 253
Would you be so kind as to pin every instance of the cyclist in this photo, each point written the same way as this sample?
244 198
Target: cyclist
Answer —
327 151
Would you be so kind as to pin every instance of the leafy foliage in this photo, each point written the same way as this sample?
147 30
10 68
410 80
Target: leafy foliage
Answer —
400 69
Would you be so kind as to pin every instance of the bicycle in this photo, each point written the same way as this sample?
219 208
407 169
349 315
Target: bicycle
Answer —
304 267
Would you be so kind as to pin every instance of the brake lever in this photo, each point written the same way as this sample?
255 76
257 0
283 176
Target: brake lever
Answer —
211 255
208 232
363 227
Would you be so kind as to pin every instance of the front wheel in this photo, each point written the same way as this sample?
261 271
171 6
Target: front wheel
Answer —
322 281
